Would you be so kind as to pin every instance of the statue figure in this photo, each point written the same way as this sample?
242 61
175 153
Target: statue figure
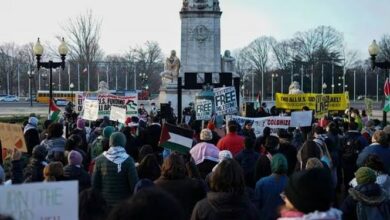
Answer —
294 88
185 5
216 5
103 87
228 62
172 66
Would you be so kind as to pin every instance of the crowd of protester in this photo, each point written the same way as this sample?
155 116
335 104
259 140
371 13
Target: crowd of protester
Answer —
335 169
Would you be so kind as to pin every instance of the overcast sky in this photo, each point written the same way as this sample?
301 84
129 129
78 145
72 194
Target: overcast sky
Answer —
128 23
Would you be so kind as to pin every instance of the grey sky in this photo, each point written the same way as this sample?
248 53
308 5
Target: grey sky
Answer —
128 23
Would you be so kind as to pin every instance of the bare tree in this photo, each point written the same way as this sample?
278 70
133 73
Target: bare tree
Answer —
384 44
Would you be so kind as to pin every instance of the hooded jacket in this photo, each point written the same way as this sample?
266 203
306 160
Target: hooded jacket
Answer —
226 206
73 172
366 201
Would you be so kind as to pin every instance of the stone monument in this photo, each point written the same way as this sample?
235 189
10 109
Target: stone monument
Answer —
171 70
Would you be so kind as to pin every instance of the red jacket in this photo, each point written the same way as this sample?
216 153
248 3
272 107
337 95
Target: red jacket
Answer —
231 142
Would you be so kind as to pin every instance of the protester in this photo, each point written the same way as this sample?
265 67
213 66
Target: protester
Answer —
368 130
31 134
45 126
313 163
227 198
212 128
287 149
34 169
101 143
53 172
231 142
205 154
247 130
114 174
55 143
174 180
308 195
133 142
149 168
73 143
309 150
82 132
260 141
366 200
92 205
268 189
153 134
74 170
263 164
379 147
247 159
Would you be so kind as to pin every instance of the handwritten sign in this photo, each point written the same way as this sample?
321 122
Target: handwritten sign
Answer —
259 124
11 136
118 114
301 118
37 201
204 109
91 109
225 100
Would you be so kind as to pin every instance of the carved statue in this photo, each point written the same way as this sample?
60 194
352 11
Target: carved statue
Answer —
103 87
172 66
185 5
294 88
228 62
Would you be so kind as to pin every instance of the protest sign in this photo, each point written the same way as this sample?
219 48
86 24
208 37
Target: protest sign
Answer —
204 109
118 114
11 136
225 100
322 105
128 102
259 124
37 201
90 109
337 102
301 118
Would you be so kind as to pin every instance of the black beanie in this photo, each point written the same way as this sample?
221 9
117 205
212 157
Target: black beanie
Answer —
310 190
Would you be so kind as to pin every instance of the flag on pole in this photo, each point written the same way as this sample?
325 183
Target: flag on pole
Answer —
176 138
386 89
54 112
387 104
258 98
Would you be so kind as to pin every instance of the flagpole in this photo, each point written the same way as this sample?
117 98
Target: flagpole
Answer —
108 82
59 79
88 77
98 80
68 75
377 87
78 76
116 77
18 80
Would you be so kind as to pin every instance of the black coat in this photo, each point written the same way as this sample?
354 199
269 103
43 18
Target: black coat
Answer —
290 152
34 171
31 137
187 191
153 132
72 172
225 206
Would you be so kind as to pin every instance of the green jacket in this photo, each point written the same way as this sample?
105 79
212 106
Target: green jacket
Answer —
114 186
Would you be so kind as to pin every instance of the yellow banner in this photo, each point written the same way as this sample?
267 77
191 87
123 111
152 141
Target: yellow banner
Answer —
337 102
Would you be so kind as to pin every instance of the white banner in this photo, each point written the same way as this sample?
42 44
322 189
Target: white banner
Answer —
273 122
225 100
118 114
301 118
128 102
204 109
37 201
91 109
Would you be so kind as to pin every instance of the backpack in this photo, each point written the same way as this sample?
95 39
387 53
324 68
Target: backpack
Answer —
351 149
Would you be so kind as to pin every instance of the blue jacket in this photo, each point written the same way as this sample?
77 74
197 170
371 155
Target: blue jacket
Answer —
382 152
267 194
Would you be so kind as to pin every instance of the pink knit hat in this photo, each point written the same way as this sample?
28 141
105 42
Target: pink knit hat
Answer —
75 158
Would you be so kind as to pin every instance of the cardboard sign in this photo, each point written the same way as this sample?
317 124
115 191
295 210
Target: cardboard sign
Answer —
204 109
301 118
337 102
118 114
11 136
322 105
128 102
259 124
91 109
225 100
37 201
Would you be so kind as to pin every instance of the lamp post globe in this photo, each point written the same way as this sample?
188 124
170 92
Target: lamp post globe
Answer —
373 49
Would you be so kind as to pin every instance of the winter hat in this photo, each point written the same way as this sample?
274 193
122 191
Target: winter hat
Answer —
39 152
33 121
117 139
211 125
225 154
107 131
365 175
80 123
279 164
143 184
75 158
310 190
206 135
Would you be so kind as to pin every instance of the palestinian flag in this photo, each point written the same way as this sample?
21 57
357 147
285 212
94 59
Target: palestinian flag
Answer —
386 88
387 104
175 138
54 112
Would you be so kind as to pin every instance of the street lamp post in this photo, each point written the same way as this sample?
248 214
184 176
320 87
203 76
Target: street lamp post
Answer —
30 75
71 87
38 51
324 86
44 77
373 50
273 76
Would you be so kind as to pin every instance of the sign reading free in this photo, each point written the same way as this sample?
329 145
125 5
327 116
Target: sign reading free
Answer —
225 100
204 109
37 201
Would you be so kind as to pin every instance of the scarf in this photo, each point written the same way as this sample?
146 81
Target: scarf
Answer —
116 155
29 127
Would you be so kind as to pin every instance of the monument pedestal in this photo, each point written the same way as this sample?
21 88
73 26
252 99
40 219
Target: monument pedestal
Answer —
170 94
